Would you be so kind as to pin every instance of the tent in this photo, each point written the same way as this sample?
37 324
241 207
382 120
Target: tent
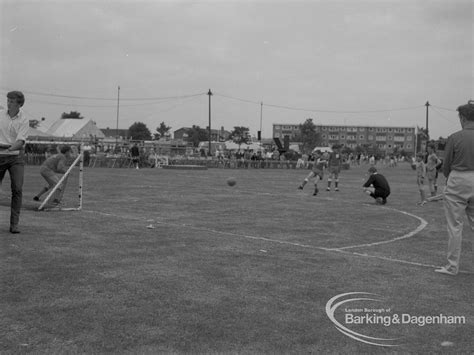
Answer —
76 128
35 133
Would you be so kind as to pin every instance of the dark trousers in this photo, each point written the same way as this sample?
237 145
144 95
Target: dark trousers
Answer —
380 193
16 168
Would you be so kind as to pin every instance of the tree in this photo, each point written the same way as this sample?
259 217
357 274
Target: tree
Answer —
240 135
396 151
196 135
359 150
72 114
346 150
376 152
368 149
308 136
162 130
139 131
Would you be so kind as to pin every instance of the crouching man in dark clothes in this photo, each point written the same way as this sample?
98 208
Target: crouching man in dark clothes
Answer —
377 186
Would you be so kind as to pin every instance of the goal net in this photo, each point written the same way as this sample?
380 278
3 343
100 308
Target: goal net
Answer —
68 190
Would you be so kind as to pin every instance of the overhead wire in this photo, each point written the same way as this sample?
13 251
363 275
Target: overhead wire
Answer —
68 104
319 110
435 109
108 99
166 99
201 94
443 108
174 106
238 99
346 111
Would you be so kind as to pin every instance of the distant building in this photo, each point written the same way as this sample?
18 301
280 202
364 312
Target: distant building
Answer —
385 138
181 133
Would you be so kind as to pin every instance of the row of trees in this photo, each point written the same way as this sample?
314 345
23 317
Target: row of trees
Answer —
195 134
139 131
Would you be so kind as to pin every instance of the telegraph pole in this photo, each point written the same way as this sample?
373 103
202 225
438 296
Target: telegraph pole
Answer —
210 94
117 126
427 132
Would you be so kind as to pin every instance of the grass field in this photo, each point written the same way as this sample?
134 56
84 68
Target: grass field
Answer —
176 261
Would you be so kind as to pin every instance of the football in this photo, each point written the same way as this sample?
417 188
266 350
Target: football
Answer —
231 181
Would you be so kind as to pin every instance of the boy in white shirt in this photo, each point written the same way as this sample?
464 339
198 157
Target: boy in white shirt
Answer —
13 133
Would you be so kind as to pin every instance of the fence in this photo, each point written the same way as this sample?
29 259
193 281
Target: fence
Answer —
101 161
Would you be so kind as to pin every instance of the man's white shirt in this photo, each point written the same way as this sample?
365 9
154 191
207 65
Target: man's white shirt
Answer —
12 129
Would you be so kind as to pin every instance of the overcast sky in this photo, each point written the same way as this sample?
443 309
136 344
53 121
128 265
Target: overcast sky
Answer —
333 61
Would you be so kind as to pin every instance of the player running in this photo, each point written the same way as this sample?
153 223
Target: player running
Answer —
317 172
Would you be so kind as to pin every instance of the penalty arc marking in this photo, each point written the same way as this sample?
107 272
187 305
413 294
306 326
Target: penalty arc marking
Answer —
343 250
418 229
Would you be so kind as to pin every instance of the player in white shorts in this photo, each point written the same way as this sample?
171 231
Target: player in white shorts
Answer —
317 172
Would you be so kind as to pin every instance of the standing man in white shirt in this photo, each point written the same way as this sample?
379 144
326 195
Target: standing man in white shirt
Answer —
458 168
13 133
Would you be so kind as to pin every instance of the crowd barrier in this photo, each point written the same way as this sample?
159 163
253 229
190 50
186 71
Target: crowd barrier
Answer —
126 162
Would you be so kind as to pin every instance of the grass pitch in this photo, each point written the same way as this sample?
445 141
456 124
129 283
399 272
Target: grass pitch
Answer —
176 261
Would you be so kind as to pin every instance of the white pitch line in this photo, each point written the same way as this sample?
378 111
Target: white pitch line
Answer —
189 226
386 258
244 236
342 250
420 227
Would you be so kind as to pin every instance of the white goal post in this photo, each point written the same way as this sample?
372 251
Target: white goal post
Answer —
44 205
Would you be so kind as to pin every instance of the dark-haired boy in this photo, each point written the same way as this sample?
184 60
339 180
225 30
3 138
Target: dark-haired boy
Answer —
13 133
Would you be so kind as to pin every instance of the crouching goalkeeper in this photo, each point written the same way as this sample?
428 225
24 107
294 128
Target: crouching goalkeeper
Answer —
380 188
54 165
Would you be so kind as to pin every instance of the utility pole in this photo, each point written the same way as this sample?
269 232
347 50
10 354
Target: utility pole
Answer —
261 115
416 140
427 132
117 126
210 94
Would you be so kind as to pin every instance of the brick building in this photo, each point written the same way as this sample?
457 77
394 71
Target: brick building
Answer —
385 138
